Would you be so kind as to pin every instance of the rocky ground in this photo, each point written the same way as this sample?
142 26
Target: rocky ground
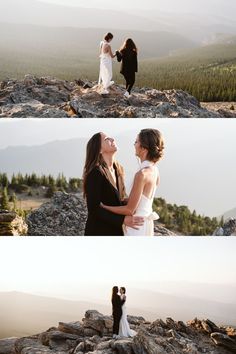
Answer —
49 97
225 109
94 336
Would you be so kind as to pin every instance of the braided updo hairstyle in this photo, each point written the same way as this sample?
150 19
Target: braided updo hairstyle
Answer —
152 140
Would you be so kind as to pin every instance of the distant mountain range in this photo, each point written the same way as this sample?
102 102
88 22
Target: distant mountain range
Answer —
24 314
230 214
197 26
83 43
65 156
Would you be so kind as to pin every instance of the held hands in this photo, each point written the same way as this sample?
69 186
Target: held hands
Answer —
118 55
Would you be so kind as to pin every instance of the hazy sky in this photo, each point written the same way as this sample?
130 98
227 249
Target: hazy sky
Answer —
78 266
198 168
219 7
167 5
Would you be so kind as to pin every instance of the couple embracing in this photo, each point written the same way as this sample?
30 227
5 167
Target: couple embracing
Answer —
120 323
110 212
127 55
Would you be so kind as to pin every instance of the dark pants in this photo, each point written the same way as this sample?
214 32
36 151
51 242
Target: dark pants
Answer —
130 80
116 323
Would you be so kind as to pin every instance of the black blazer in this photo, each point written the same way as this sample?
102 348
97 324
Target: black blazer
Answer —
129 61
117 305
101 222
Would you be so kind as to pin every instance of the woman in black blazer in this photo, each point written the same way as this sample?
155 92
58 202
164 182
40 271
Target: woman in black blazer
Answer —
129 64
103 182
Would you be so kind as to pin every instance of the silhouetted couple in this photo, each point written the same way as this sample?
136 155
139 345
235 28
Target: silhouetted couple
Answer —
127 55
120 325
110 212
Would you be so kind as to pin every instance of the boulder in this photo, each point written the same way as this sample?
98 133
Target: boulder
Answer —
225 341
11 224
7 346
64 215
98 322
228 229
72 328
123 346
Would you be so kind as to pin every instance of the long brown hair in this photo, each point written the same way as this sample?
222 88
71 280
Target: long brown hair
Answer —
115 290
129 44
93 157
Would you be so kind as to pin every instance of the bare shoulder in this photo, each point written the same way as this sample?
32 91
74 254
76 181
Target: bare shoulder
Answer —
140 176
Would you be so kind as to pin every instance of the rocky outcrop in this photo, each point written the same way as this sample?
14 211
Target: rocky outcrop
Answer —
7 346
162 231
11 224
65 215
228 229
49 97
93 335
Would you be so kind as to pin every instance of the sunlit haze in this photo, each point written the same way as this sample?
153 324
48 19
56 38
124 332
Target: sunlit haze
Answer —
82 268
185 6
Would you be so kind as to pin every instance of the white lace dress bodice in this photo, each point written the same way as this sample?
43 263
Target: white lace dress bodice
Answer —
145 209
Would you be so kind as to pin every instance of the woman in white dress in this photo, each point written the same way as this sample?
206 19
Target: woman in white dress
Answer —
124 329
106 56
149 147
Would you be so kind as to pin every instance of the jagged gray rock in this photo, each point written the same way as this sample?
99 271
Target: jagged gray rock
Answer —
65 215
225 341
7 345
162 231
11 224
158 337
100 323
49 97
228 229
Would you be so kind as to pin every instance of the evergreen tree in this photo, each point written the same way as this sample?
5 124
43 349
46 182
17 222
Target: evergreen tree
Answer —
5 200
4 180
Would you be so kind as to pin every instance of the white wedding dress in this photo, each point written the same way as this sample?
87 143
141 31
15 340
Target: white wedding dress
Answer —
145 209
124 329
105 74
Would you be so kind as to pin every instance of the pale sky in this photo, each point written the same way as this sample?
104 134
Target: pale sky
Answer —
198 168
79 266
167 5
